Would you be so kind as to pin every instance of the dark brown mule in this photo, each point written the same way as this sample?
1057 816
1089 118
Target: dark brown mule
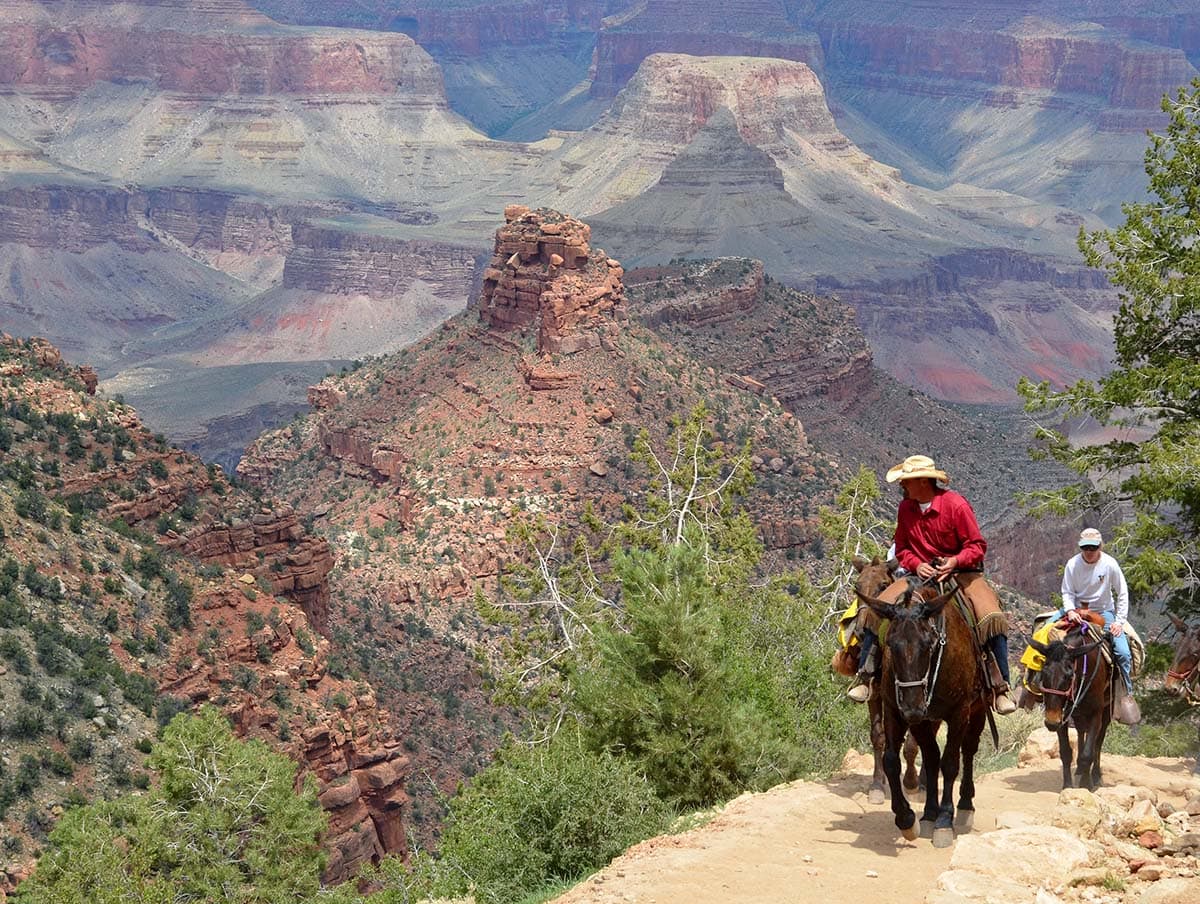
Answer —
1184 674
931 674
1077 689
873 578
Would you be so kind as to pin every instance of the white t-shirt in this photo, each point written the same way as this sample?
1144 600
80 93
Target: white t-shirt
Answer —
1101 586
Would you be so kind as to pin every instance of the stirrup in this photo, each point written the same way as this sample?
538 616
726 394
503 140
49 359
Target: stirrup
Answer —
1002 701
860 691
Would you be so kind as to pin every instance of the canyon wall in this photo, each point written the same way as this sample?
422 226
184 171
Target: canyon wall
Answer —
905 53
739 28
1127 60
464 28
70 217
226 50
344 262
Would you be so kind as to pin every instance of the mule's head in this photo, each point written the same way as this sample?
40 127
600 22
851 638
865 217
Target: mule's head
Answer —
1059 675
1182 673
915 641
873 576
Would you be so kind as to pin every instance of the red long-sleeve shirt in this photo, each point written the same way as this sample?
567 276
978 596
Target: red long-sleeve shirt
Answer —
947 528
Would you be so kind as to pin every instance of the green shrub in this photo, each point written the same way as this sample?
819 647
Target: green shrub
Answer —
224 823
542 815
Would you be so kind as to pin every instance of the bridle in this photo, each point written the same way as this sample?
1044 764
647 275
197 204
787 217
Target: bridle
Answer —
1187 680
927 684
1080 684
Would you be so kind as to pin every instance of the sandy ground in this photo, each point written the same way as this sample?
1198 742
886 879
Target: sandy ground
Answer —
809 842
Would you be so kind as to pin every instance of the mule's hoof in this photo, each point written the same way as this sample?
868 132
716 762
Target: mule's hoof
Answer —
927 828
875 796
943 838
910 833
964 821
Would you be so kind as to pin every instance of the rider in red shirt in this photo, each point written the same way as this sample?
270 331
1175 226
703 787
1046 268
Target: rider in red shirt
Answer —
937 536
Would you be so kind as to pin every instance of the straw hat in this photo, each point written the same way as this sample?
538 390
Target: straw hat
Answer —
916 466
1090 537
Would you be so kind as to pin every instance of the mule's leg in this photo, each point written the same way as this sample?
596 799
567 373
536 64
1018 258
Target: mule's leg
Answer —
931 757
964 820
894 730
943 831
875 794
1064 754
1104 723
912 778
1087 750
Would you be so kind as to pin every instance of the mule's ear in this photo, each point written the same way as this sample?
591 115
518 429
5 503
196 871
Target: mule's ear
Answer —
859 563
1039 646
1180 625
875 560
935 605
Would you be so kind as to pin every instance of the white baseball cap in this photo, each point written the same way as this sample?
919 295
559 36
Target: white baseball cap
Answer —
1090 537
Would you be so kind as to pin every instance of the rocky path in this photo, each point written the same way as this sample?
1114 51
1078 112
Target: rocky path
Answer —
810 842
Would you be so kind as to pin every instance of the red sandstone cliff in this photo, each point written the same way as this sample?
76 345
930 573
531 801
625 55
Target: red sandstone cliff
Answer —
545 278
957 51
211 50
420 465
460 28
939 48
250 642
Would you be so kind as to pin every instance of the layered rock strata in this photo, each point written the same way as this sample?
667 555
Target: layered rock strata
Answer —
352 751
545 279
340 261
964 52
759 28
461 28
214 50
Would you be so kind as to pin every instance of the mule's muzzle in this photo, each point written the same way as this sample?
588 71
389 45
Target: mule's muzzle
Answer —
1053 723
915 713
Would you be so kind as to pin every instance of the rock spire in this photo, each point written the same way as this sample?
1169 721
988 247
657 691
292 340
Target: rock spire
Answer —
545 278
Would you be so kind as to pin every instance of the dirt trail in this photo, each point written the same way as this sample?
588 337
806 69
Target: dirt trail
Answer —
809 842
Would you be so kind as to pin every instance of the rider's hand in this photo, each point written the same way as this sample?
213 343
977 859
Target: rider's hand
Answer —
1073 616
925 571
946 568
1116 629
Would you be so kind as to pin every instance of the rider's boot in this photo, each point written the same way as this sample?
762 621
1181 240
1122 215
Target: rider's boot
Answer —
1002 701
860 690
1125 707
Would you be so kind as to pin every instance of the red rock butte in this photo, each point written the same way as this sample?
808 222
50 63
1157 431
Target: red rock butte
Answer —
544 277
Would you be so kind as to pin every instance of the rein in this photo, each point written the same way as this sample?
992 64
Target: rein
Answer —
1078 689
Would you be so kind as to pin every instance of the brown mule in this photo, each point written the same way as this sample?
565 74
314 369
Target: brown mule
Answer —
1077 689
931 674
1183 677
873 578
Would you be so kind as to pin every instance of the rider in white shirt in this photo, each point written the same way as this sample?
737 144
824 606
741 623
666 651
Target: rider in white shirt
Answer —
1093 580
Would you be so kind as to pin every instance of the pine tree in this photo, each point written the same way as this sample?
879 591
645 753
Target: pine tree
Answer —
1152 397
224 824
